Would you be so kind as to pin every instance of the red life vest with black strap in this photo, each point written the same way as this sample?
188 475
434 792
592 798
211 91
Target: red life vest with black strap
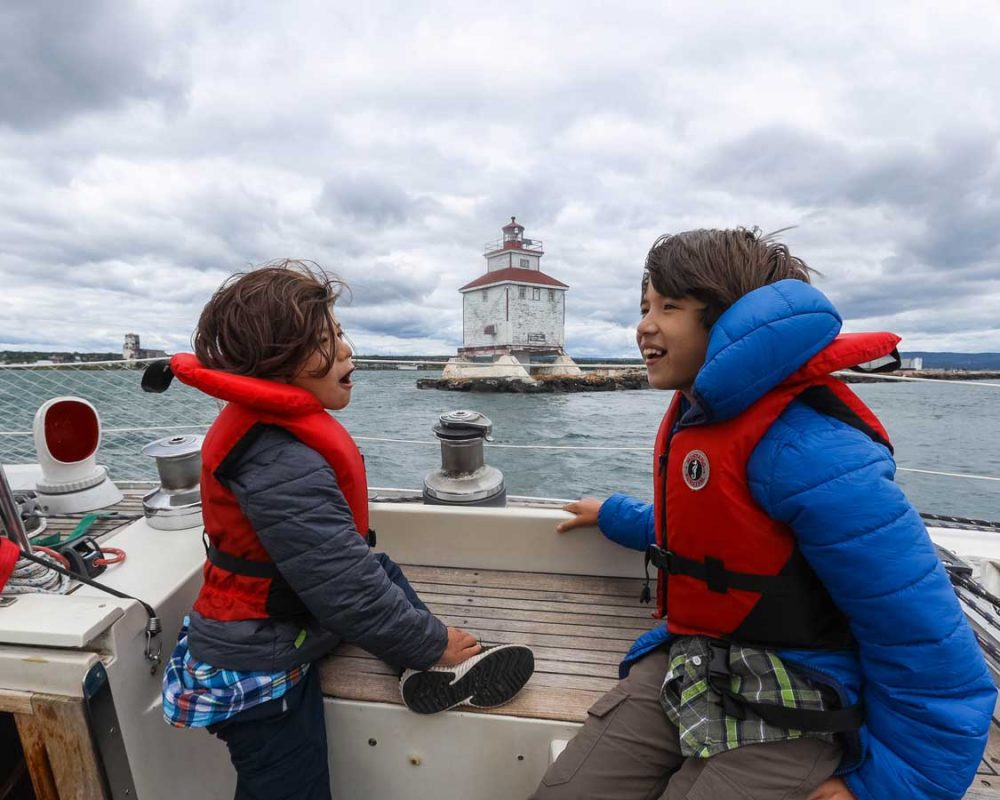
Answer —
728 571
241 581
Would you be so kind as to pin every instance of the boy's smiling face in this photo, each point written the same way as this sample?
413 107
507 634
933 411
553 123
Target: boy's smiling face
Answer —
333 389
672 339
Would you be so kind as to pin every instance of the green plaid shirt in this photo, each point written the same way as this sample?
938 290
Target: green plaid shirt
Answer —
758 675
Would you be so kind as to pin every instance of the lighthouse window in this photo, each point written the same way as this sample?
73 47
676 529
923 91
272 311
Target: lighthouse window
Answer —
525 263
536 294
522 292
485 294
552 295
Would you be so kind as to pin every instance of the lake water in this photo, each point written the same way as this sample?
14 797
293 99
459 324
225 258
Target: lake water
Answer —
943 427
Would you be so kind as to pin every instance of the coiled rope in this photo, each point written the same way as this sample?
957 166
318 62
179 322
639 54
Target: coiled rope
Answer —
30 577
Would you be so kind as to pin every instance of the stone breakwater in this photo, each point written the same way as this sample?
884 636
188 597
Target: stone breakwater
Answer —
615 381
937 374
543 384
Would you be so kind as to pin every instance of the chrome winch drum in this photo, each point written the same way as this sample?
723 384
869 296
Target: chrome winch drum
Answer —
176 503
464 478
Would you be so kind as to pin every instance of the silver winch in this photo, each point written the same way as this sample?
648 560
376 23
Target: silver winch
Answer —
464 478
176 503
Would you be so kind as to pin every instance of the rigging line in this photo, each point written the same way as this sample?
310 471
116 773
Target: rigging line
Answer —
77 364
133 362
508 446
883 377
968 475
643 450
143 429
428 442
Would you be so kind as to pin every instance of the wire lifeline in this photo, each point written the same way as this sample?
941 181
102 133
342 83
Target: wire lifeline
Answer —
595 448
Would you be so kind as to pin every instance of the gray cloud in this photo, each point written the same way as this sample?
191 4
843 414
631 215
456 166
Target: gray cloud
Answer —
147 151
59 59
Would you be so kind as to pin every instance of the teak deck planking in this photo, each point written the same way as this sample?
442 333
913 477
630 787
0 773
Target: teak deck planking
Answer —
579 627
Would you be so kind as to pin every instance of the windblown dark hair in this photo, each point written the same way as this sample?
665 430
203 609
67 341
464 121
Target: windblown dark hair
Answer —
718 267
269 321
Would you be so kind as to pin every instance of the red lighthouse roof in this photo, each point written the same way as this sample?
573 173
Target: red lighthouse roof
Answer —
515 275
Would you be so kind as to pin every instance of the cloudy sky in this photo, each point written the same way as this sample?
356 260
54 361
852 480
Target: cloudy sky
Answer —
149 149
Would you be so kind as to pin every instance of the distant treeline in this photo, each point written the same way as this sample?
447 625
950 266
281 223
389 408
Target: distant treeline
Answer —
974 361
442 359
31 356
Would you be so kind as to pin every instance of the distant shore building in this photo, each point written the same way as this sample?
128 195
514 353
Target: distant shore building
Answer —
131 350
914 363
513 316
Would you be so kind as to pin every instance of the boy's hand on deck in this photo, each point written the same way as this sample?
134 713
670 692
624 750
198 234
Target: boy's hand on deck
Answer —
461 645
585 510
832 789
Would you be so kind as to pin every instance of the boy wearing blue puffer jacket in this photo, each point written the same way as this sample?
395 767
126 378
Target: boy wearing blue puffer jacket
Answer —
813 648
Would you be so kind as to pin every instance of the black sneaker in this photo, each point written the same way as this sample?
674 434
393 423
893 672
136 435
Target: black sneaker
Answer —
489 679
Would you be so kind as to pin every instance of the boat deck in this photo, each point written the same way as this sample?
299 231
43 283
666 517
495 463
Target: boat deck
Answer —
578 627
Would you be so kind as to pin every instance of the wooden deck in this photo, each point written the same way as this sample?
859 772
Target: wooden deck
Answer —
107 519
578 627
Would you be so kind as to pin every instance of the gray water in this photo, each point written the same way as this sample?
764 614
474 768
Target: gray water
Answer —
944 427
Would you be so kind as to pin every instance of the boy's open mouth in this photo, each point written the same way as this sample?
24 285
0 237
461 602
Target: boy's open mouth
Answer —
652 354
346 380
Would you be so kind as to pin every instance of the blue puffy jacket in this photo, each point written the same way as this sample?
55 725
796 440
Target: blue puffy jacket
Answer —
927 692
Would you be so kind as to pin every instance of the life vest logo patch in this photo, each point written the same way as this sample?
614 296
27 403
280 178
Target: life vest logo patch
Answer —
696 470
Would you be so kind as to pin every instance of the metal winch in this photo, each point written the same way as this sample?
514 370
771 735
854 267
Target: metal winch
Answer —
464 478
176 503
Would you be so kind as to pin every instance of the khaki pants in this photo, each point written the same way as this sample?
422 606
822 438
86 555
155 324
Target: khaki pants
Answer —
629 750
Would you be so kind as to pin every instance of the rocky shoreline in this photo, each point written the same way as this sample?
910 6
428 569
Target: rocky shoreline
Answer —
936 374
636 379
543 384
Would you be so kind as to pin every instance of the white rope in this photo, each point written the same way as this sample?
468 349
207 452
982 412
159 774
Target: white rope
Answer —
434 443
642 450
950 474
507 446
882 377
570 447
31 578
141 429
77 364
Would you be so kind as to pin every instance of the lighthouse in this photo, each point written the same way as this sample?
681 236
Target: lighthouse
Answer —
513 315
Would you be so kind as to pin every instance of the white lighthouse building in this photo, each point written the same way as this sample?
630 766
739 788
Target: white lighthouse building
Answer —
513 316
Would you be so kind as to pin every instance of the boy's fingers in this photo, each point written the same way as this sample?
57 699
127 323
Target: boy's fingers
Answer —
568 524
465 639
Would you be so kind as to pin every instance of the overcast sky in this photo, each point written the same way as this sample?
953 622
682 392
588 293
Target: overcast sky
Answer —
147 150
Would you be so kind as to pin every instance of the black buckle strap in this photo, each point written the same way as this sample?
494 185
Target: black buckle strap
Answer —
835 720
646 595
248 567
713 572
238 566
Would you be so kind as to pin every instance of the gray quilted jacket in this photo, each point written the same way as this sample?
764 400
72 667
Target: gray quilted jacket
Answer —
289 493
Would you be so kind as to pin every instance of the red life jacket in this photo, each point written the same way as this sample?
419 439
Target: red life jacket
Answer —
241 581
734 572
